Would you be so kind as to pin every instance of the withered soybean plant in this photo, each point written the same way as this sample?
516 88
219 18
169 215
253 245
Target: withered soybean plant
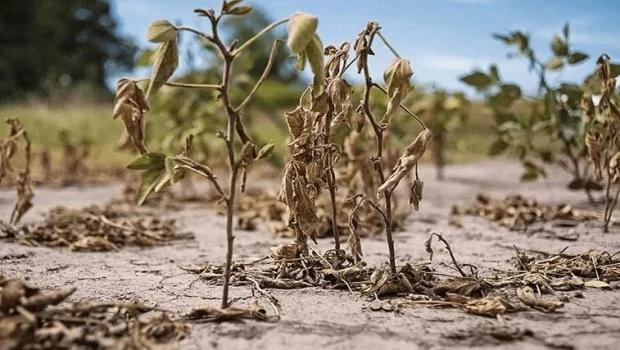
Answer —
313 155
160 170
398 85
602 136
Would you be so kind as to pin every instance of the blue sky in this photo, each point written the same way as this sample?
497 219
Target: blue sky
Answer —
443 39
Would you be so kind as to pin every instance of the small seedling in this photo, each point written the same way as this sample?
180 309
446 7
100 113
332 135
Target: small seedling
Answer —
160 170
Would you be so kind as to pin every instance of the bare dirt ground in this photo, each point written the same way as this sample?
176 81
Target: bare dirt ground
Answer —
333 319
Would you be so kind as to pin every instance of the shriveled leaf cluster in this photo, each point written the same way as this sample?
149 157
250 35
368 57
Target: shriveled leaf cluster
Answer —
28 322
97 229
519 213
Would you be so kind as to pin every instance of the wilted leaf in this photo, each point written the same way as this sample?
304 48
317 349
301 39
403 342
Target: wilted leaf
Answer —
407 160
301 30
554 63
148 181
397 78
161 31
239 11
148 161
597 284
466 286
527 296
489 306
265 151
166 62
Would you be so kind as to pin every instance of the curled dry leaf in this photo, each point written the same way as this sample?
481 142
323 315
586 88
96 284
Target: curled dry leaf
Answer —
467 286
130 104
489 306
407 161
527 296
397 77
415 195
339 91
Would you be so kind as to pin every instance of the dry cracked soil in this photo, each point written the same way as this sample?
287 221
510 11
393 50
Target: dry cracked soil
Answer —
315 318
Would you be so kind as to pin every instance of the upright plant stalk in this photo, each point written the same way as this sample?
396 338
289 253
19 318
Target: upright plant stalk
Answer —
161 170
331 177
378 130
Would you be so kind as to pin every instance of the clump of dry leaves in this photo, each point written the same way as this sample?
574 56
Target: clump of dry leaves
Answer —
97 229
29 320
519 213
602 137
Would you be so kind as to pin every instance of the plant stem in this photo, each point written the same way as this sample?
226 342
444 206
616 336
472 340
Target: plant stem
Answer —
387 44
402 106
262 78
258 35
379 149
331 177
194 86
233 124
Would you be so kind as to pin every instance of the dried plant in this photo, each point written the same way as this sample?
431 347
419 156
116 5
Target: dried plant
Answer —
8 149
602 137
397 78
313 155
30 319
98 229
160 170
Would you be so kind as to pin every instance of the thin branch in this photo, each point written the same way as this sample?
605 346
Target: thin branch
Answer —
194 86
258 35
402 106
263 77
195 31
456 264
387 44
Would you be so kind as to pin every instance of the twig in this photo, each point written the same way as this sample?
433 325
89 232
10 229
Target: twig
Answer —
445 242
263 77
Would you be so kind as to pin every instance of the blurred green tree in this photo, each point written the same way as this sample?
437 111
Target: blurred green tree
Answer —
47 45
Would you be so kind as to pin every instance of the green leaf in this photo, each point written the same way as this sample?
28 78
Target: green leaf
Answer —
146 58
265 151
559 46
166 62
148 161
174 175
478 79
230 4
503 38
614 69
315 54
494 73
161 31
577 57
554 63
149 180
498 147
239 11
301 29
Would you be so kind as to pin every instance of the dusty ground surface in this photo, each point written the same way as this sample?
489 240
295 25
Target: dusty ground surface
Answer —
315 318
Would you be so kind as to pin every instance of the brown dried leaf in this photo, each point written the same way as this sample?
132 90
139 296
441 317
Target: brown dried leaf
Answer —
467 286
489 306
339 91
407 161
527 296
130 104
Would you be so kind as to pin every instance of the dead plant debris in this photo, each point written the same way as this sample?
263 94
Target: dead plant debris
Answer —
520 213
29 321
96 229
